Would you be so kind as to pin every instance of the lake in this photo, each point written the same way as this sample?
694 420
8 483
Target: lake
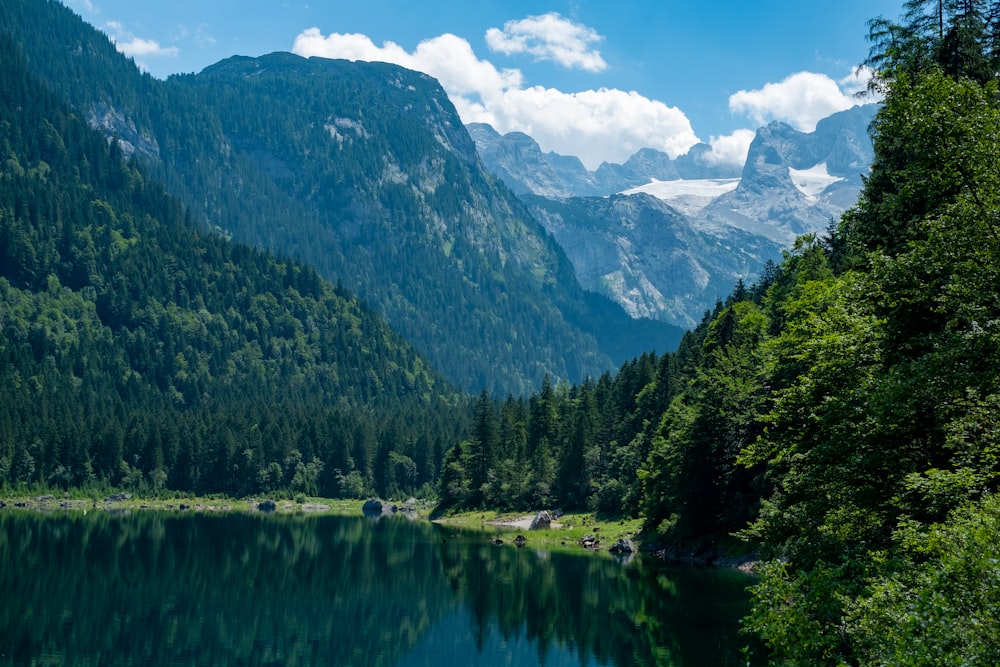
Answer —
156 588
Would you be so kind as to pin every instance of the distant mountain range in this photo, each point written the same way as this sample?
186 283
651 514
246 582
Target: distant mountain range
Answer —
519 161
666 237
363 171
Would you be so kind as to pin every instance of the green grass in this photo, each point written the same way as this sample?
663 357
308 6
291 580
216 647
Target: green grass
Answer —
180 502
567 531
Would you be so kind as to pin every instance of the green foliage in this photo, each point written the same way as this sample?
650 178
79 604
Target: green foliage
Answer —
691 480
882 441
141 353
961 39
841 414
938 605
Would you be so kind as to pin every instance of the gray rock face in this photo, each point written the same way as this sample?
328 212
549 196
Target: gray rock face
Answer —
794 182
541 521
671 258
653 260
518 161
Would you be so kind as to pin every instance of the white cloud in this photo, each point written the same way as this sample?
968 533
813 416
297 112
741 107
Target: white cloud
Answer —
549 37
595 125
85 4
801 100
856 83
731 148
137 47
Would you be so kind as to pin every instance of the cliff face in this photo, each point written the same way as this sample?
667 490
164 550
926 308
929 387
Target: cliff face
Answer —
687 229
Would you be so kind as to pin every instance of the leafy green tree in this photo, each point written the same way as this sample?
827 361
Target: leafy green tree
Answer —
885 382
937 605
692 484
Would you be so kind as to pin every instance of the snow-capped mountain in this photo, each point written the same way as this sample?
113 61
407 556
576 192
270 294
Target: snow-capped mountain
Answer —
712 224
649 256
519 161
796 182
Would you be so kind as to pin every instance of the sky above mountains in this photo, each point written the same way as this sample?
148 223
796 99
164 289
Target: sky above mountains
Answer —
594 79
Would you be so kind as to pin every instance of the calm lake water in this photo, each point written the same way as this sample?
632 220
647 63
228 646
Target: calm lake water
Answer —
170 589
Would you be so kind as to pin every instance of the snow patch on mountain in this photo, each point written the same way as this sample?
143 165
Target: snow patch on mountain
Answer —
813 181
689 196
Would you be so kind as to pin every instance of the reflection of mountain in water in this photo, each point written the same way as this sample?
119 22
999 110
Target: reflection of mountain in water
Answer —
159 590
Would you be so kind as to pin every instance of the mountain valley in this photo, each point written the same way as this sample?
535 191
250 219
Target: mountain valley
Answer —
365 172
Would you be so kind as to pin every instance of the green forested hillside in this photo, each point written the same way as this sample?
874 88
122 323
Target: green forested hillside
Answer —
842 415
138 350
364 172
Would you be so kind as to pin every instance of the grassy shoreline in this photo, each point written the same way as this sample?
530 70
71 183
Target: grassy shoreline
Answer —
565 534
178 503
568 530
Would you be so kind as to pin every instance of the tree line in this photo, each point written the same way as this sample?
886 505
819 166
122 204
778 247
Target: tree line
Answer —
141 351
840 414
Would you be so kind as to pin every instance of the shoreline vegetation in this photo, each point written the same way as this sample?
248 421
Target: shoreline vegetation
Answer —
570 531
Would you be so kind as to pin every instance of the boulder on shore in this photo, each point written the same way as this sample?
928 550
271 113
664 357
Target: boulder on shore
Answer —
374 508
542 520
623 546
263 506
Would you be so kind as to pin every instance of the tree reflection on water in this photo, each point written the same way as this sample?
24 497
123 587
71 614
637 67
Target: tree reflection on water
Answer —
169 589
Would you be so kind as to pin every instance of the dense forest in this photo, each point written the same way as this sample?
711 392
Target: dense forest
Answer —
139 351
841 414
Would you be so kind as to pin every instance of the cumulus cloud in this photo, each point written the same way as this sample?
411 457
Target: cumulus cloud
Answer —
137 47
801 100
856 83
595 125
549 37
85 4
731 148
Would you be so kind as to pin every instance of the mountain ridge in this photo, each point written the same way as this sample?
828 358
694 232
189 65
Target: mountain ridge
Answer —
365 172
723 226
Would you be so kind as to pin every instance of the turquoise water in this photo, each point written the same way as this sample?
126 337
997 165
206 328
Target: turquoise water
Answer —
153 588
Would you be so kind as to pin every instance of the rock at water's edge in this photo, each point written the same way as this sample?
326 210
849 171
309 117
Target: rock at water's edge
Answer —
264 506
623 546
541 521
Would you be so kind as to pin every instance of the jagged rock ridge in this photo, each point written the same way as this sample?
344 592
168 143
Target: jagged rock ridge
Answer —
671 257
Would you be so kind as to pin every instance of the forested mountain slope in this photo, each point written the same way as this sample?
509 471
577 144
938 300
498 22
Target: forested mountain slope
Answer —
842 414
138 350
363 171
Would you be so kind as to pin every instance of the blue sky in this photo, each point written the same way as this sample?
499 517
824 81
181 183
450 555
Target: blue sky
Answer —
594 79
